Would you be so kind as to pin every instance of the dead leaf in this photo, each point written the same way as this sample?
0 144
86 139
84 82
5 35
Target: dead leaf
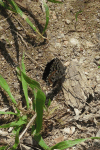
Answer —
59 139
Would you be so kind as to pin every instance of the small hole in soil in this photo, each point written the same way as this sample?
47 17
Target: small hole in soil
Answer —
82 110
72 109
90 99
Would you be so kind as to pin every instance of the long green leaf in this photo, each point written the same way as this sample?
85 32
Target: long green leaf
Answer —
5 86
5 6
40 141
11 113
34 101
54 1
16 139
20 122
70 143
18 10
47 15
32 83
24 83
95 138
3 147
18 70
40 101
67 144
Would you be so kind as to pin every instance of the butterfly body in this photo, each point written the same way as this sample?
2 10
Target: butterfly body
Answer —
54 71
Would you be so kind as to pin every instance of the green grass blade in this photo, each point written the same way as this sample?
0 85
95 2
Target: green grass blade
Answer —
14 131
95 138
34 101
20 122
33 130
1 3
11 113
49 103
3 147
18 70
76 16
16 139
40 101
70 143
5 6
24 83
32 83
24 118
47 16
40 141
18 10
67 144
18 111
54 1
5 86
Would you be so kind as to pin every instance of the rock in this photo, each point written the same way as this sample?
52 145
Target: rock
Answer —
74 41
29 140
3 133
89 44
24 147
61 35
97 57
57 45
65 43
68 130
67 21
98 79
76 87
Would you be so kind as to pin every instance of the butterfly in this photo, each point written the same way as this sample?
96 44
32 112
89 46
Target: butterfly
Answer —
54 71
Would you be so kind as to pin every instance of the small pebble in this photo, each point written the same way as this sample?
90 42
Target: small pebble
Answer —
67 21
97 57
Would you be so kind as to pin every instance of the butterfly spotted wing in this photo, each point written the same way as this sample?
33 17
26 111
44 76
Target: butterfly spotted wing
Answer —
54 71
